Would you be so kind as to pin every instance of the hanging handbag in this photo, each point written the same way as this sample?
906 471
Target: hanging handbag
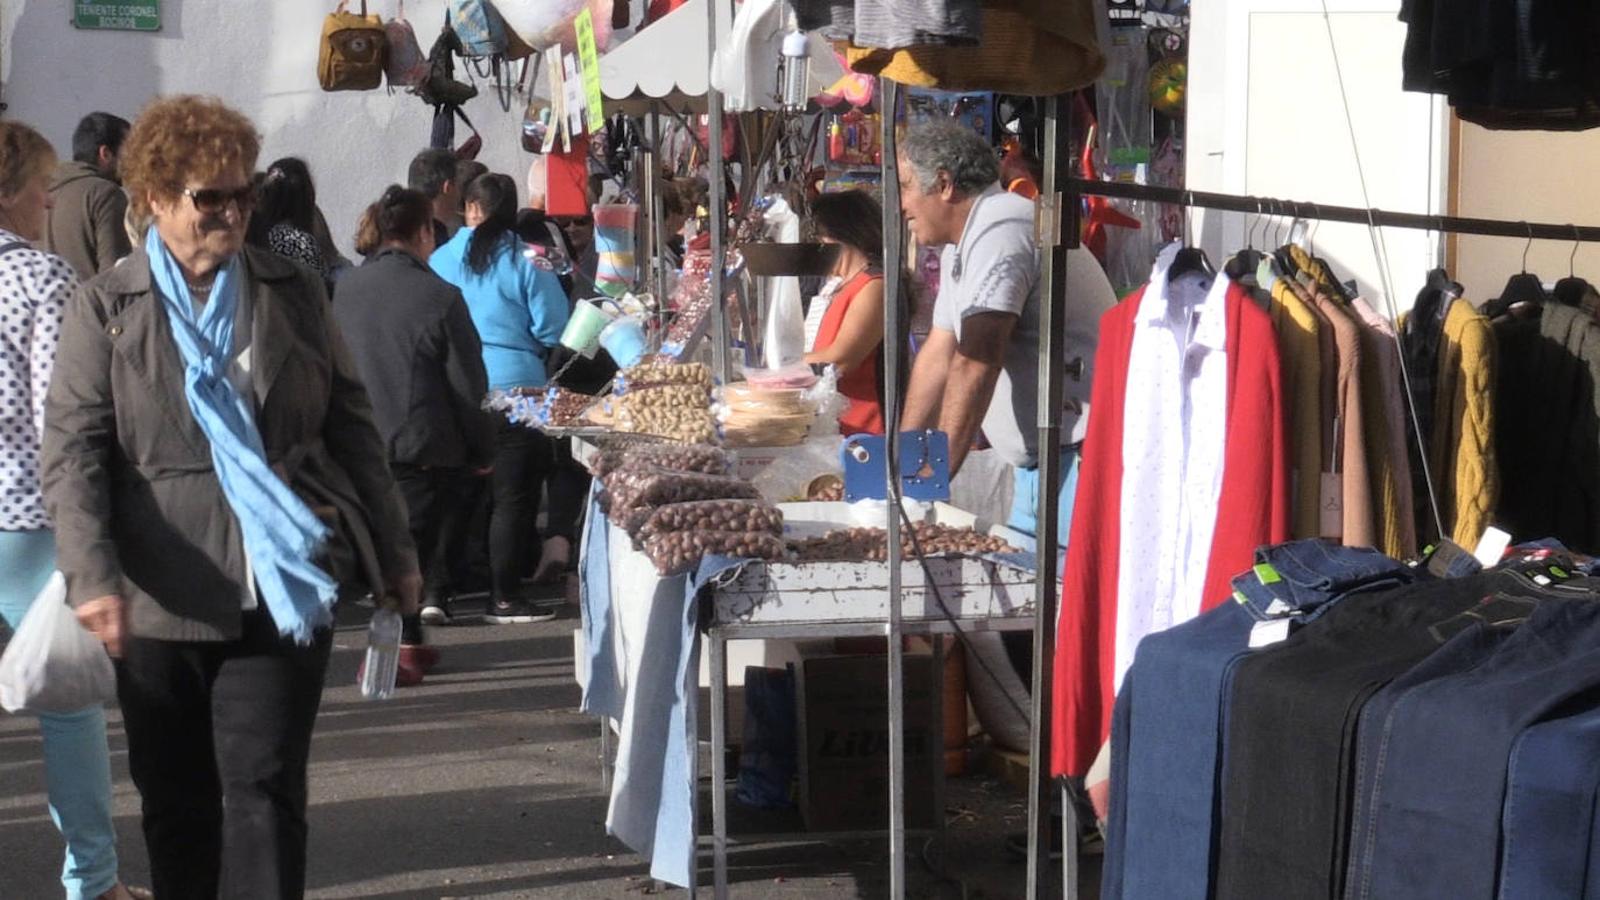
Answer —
404 66
351 55
479 28
440 88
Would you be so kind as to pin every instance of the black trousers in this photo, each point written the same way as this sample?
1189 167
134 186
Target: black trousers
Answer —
521 458
567 484
219 735
432 494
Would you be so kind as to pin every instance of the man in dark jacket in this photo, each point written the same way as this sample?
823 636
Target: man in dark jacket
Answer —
85 224
415 346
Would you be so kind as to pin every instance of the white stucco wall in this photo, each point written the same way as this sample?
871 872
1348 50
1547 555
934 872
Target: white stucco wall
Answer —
260 57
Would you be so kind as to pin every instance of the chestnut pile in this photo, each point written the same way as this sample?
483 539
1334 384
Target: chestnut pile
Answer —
872 544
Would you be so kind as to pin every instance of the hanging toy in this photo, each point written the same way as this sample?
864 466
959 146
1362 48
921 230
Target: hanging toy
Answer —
1169 79
613 244
543 24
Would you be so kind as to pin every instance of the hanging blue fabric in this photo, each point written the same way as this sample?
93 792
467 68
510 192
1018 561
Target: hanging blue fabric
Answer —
281 534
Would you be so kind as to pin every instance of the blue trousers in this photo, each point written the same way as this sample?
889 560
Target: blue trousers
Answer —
1025 498
1433 823
77 764
1548 822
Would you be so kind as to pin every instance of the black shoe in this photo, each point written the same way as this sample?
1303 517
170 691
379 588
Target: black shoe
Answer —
1090 843
436 610
516 612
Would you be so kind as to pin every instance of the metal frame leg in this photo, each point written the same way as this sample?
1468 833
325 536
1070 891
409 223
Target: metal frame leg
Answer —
717 647
1071 871
605 755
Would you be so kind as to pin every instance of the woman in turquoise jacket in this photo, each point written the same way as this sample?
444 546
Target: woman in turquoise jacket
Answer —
520 311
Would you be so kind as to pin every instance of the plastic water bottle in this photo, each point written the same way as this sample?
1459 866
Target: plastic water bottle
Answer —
383 656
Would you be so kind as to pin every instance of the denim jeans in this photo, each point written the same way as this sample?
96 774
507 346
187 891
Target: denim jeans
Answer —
1025 498
1165 758
1300 577
1433 829
1290 732
77 763
1548 822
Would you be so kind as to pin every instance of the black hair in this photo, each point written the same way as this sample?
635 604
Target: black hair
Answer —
399 215
431 170
284 193
96 130
496 195
468 171
852 218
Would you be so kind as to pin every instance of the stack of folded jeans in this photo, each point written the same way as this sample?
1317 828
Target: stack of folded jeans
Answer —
1171 709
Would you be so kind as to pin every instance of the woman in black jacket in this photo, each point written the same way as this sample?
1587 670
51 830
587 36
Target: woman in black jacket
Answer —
416 348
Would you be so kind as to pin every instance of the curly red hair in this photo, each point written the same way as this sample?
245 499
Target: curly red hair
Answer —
181 139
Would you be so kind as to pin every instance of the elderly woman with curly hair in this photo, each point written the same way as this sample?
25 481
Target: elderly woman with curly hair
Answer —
217 484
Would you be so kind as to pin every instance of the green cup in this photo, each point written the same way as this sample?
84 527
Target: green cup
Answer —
582 334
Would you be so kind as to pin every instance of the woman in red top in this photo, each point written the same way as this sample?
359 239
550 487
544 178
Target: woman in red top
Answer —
851 335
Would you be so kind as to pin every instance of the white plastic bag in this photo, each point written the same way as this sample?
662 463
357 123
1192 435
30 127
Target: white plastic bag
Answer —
53 664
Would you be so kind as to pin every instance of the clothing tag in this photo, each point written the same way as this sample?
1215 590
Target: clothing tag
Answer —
1265 634
1331 502
1278 607
1491 547
1266 574
1239 597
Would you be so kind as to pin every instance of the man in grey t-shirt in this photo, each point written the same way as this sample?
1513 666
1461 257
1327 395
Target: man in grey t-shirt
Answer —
980 364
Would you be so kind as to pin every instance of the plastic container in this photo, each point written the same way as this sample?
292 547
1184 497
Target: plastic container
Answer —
624 339
382 665
584 326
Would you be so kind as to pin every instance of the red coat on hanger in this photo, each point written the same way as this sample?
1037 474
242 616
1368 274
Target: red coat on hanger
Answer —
1253 510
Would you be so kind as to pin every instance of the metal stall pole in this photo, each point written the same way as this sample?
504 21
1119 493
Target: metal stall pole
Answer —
1052 370
719 334
892 228
719 210
718 648
653 203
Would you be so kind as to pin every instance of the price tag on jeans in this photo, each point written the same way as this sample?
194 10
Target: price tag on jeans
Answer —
1265 634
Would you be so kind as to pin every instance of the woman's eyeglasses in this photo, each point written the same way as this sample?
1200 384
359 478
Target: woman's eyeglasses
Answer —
213 201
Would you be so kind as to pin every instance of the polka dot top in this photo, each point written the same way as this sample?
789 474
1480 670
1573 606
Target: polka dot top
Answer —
34 289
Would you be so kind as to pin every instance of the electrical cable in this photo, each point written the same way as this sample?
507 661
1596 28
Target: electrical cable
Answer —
896 500
1381 257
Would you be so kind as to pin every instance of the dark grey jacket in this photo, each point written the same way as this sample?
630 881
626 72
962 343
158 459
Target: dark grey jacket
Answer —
128 475
85 226
413 342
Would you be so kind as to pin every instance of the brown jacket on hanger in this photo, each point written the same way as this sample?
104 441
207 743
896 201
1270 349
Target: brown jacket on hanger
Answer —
1350 429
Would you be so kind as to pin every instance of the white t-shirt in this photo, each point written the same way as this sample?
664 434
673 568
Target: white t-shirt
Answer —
994 267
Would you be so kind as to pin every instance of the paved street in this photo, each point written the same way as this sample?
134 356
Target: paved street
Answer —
484 782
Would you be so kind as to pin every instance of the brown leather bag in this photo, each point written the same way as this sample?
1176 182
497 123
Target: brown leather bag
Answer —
353 50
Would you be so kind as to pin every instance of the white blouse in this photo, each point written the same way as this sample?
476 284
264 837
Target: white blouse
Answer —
34 289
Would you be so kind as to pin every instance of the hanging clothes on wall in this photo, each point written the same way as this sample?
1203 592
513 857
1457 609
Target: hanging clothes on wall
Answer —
1031 47
1463 454
1507 66
1185 472
1547 439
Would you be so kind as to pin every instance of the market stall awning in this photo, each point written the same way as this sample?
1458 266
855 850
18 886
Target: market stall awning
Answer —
668 61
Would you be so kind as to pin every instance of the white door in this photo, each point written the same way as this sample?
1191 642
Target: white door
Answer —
1266 117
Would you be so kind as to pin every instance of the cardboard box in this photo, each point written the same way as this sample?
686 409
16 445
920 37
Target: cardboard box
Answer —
844 742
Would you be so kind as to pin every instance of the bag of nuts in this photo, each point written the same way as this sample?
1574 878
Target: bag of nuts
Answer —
713 515
702 458
632 489
677 552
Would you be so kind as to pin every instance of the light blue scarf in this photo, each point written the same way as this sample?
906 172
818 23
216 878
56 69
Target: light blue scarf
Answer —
281 534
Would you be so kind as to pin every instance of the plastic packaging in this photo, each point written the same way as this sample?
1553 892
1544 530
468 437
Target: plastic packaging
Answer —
632 489
713 515
783 341
382 664
702 458
679 552
53 664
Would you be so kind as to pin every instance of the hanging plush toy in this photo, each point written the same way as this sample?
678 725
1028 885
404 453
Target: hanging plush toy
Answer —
545 23
613 244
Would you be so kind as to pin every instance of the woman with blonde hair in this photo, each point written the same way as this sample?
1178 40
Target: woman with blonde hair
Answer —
217 485
37 286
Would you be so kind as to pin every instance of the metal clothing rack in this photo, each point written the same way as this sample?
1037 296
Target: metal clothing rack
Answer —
1071 189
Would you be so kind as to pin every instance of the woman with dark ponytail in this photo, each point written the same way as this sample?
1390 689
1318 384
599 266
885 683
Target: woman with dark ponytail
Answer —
520 311
416 349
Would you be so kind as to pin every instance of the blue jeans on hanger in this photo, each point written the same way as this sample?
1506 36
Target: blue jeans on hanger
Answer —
77 762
